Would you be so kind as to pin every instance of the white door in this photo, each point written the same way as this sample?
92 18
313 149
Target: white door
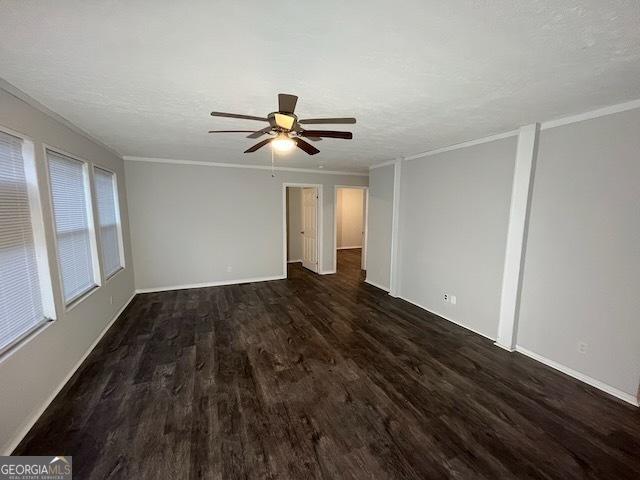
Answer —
310 228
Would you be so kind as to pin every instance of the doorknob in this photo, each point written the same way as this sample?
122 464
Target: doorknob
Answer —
302 232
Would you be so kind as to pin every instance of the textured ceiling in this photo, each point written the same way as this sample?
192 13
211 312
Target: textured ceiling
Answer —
142 76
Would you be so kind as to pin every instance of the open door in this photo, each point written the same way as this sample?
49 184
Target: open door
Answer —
310 228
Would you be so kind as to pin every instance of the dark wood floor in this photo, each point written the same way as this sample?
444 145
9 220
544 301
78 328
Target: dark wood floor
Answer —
323 377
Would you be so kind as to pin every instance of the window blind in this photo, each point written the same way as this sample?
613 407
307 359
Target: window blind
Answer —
69 195
108 220
21 309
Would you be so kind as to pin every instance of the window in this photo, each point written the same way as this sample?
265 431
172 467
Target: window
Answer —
24 301
73 221
108 221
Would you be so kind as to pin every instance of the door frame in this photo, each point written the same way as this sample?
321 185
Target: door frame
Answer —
319 221
365 239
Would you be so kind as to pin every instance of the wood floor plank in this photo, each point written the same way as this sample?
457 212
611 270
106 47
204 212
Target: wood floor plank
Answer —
323 377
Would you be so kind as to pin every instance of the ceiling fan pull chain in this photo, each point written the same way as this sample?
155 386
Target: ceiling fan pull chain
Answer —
273 172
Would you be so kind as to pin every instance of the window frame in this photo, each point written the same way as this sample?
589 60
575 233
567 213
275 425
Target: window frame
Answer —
35 193
116 199
96 261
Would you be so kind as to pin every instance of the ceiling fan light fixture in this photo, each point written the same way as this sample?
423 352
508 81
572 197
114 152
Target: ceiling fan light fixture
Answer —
284 121
282 143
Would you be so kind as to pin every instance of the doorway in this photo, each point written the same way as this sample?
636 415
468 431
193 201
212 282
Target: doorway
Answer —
350 227
302 214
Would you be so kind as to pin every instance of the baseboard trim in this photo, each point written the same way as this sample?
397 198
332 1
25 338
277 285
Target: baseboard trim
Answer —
295 261
539 358
328 272
349 248
210 284
579 376
377 285
447 318
504 347
34 418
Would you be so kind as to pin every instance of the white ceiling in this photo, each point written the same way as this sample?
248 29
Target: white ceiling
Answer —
142 76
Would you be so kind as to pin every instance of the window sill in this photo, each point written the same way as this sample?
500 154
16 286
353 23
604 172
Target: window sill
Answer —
24 339
81 298
113 274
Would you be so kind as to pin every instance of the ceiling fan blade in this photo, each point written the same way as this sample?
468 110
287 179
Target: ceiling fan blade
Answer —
286 102
259 133
327 134
334 121
230 131
258 145
235 115
307 147
298 129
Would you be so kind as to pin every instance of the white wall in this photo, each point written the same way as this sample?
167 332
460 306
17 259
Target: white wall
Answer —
454 214
380 214
190 222
31 373
294 224
582 265
349 217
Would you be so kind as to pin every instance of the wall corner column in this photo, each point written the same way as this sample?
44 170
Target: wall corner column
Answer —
394 281
526 154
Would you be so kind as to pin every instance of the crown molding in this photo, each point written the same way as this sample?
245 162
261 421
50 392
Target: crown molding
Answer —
129 158
383 164
470 143
456 146
558 122
600 112
32 102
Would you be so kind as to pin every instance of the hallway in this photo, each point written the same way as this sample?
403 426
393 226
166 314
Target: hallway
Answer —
349 261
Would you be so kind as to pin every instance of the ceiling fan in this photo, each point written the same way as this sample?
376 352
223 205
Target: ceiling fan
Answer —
285 130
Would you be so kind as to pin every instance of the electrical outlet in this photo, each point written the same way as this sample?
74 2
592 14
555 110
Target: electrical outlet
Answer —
453 299
582 347
446 298
229 268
